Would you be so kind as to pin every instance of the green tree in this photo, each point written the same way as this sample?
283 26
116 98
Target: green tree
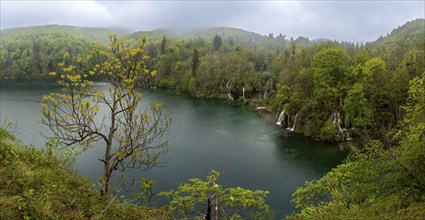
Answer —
195 61
412 150
331 77
358 111
208 74
132 137
163 45
376 81
198 198
217 42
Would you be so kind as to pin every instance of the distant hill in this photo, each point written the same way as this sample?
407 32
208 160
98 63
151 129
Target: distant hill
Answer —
410 32
207 33
157 34
229 35
88 33
224 32
320 40
410 35
401 40
31 52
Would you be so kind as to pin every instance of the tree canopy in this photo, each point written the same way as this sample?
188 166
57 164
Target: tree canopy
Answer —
132 136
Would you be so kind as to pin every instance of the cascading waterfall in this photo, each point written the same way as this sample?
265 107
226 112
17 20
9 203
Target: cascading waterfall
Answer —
289 122
266 88
243 94
333 115
337 120
229 87
230 96
281 118
295 121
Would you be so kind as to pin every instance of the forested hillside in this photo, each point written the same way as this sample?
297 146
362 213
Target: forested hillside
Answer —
372 93
33 52
383 181
323 89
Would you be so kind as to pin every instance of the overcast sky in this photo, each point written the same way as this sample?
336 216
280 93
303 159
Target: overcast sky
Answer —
354 21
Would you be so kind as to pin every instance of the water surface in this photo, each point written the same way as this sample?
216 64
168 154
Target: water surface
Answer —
245 145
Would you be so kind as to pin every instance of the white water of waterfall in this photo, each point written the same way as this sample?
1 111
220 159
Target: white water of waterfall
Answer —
349 138
230 96
281 118
266 89
289 122
295 121
334 117
337 120
243 93
229 87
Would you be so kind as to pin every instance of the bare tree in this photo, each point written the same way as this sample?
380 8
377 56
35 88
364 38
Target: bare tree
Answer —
82 114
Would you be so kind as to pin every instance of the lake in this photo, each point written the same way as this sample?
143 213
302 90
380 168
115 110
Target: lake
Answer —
246 145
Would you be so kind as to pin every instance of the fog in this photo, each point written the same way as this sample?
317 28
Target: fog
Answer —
355 21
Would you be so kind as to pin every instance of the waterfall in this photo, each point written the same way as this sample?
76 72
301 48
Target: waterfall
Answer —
243 93
333 115
230 96
229 86
281 118
266 88
295 121
289 122
337 120
349 138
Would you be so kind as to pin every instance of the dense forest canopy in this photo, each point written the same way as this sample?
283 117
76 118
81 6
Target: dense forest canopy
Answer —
324 89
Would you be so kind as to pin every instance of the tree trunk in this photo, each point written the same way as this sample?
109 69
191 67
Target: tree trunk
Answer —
106 162
106 170
217 210
208 216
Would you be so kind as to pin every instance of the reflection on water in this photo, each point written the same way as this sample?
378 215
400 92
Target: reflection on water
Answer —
245 145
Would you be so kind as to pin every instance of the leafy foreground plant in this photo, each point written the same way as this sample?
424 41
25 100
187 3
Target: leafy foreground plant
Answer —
37 185
207 200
